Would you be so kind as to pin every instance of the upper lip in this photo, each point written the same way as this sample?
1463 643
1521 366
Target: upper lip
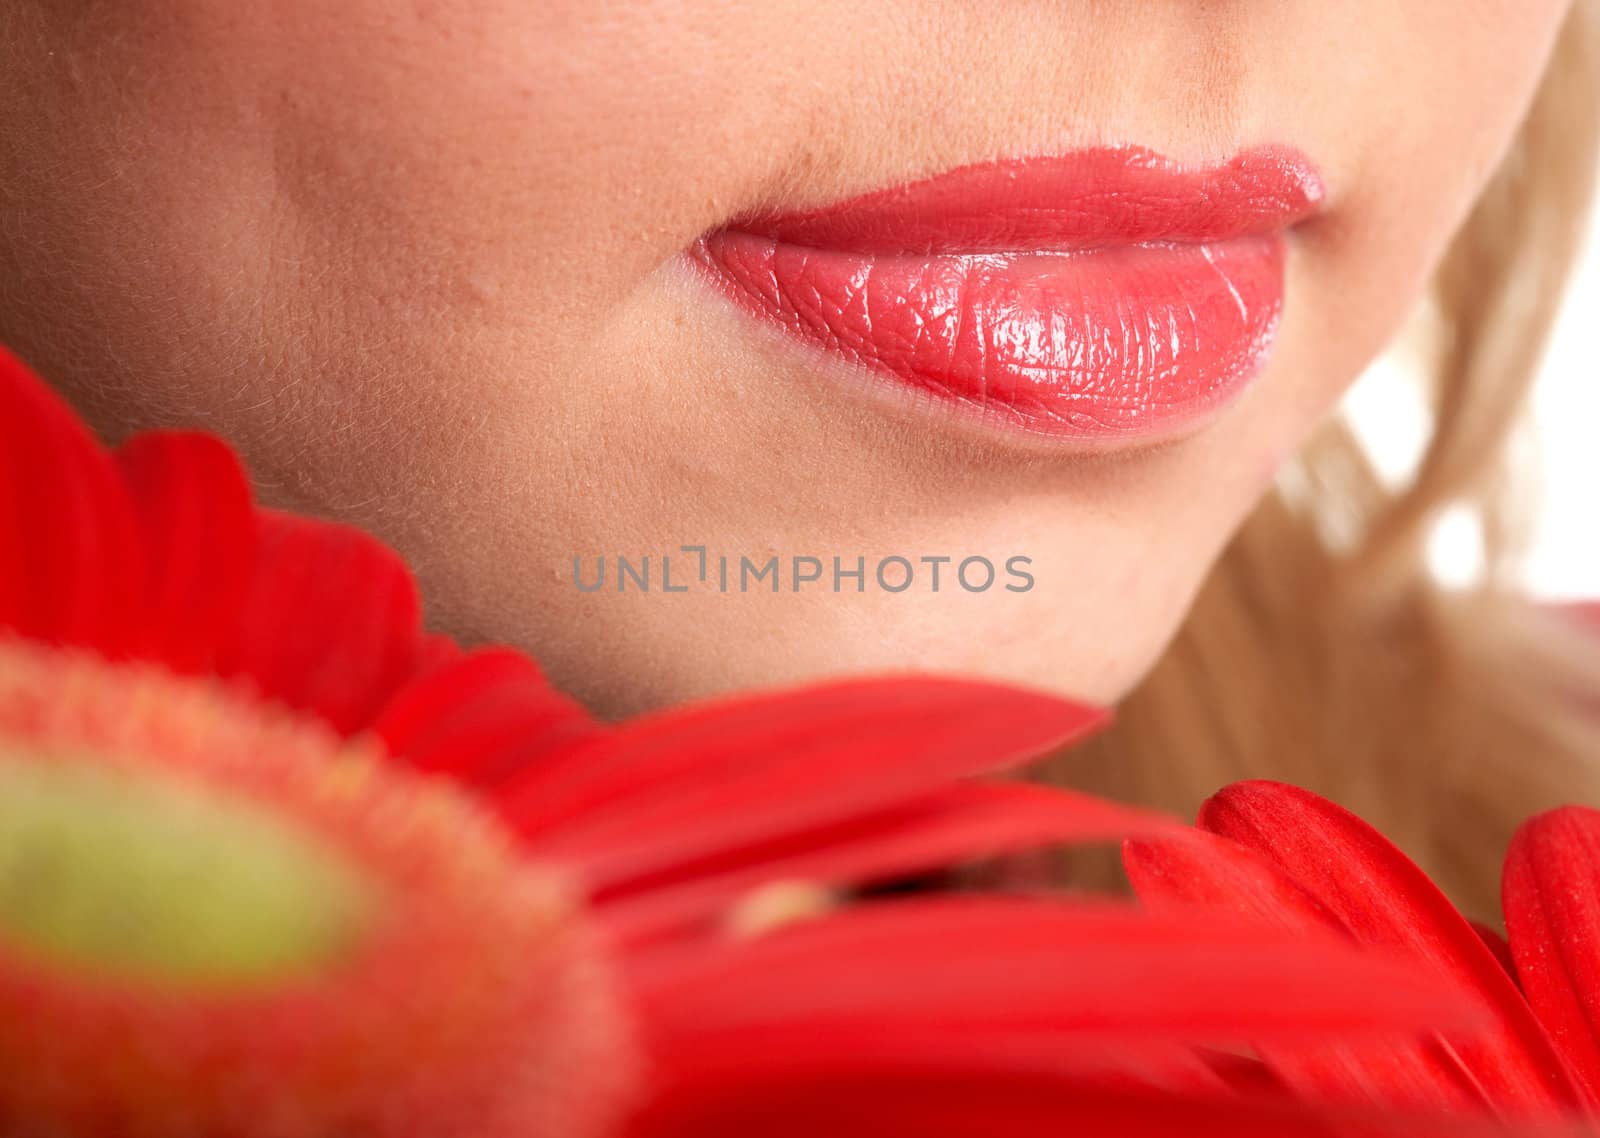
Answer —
1085 200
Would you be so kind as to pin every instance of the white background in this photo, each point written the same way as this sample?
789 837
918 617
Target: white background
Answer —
1565 559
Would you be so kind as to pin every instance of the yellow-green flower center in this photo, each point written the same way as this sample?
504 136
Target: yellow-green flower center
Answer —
134 876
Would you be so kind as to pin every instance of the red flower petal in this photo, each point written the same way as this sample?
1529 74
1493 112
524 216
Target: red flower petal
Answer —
331 624
885 998
436 651
963 1103
1042 970
645 890
1198 868
1384 899
71 562
1552 907
483 717
194 507
740 770
1498 945
1177 874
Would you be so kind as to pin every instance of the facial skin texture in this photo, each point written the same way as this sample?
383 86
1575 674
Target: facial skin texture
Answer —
422 263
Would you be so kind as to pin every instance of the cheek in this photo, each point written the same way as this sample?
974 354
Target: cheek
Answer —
1418 104
1447 94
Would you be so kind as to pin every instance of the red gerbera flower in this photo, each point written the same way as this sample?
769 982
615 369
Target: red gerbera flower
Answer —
1283 856
239 895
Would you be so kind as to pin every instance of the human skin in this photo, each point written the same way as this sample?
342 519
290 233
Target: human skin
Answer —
424 265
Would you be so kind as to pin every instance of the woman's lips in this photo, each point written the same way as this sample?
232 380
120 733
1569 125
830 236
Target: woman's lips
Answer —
1105 294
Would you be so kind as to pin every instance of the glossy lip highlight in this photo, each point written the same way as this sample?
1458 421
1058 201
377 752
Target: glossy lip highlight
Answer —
1109 294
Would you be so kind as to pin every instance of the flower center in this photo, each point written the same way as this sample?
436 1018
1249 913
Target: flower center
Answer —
137 876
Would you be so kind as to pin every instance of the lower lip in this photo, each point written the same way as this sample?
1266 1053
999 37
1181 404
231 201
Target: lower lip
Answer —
1121 340
1132 341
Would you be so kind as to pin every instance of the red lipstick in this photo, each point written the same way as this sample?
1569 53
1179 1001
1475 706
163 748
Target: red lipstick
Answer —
1106 294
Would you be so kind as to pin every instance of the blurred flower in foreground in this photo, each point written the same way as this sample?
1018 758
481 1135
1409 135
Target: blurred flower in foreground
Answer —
1283 857
275 862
